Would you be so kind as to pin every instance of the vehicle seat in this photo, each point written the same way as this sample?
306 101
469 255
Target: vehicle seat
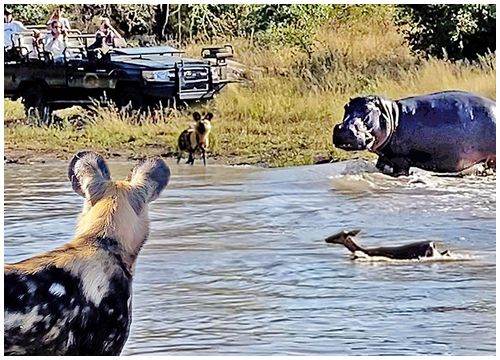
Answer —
73 43
25 43
74 48
90 41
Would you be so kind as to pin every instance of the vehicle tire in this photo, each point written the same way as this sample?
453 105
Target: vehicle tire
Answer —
129 98
35 105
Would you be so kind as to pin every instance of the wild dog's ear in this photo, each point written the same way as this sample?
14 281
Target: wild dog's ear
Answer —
196 116
209 116
147 179
88 174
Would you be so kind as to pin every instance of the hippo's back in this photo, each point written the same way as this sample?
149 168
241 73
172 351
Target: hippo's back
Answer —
455 129
450 107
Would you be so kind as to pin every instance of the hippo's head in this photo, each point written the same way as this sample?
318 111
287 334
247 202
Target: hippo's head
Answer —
367 125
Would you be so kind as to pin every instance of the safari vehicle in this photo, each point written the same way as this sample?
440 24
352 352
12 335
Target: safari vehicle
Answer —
135 77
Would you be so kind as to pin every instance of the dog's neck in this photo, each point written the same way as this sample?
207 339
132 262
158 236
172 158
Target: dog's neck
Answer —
200 127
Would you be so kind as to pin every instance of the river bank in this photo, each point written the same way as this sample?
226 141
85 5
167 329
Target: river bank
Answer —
27 156
121 136
281 115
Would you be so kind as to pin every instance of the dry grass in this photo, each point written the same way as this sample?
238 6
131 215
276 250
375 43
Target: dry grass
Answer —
285 114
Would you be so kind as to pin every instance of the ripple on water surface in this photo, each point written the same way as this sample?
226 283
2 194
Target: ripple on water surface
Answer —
236 262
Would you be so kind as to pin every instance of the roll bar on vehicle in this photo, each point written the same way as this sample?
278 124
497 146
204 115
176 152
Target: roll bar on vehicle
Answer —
19 44
47 27
23 43
218 53
153 50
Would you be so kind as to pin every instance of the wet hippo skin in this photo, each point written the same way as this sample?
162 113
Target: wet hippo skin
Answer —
445 132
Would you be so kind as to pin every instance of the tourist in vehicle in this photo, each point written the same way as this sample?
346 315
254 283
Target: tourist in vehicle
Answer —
55 40
107 33
38 47
10 26
57 14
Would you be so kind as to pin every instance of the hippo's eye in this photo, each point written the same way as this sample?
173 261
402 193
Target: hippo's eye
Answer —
367 121
359 126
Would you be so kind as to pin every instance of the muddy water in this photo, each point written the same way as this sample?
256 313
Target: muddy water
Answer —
236 263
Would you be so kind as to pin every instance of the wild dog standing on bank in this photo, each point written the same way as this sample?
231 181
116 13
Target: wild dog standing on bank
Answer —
195 138
76 299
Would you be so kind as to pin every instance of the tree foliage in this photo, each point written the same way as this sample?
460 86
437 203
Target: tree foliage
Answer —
453 31
31 14
294 25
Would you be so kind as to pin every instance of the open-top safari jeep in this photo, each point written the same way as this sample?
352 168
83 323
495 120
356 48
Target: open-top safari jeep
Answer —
135 77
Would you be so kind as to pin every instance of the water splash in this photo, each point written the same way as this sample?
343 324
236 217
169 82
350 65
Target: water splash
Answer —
452 257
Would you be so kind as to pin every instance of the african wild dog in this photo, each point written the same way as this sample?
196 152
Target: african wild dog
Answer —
195 138
76 299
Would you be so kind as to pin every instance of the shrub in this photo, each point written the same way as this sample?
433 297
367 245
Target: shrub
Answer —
450 31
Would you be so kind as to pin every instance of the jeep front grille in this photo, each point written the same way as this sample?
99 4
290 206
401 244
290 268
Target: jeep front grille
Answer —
195 79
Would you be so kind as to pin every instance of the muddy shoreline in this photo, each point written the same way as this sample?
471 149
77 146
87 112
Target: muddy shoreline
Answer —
30 156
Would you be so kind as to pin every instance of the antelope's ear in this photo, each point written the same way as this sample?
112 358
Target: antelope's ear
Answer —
147 180
196 116
354 232
209 116
89 174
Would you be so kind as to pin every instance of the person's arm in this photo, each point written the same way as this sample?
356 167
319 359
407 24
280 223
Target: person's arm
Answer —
48 42
67 24
20 27
51 18
117 34
113 30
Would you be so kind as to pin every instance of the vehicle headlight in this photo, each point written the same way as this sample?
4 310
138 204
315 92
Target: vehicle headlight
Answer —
159 75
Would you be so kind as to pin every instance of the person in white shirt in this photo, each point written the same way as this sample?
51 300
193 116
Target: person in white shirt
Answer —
10 26
54 41
38 43
57 14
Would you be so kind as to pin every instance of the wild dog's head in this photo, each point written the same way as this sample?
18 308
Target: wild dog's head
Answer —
116 209
203 125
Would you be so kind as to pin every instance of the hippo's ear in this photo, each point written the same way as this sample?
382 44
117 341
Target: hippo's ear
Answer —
377 100
89 175
147 179
196 116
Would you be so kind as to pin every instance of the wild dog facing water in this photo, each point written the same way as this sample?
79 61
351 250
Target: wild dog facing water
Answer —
76 299
195 138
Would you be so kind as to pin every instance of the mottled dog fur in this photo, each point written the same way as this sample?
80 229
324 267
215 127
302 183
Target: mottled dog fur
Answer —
76 299
195 138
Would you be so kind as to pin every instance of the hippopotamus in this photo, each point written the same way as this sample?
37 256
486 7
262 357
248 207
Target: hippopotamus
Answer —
446 132
412 251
